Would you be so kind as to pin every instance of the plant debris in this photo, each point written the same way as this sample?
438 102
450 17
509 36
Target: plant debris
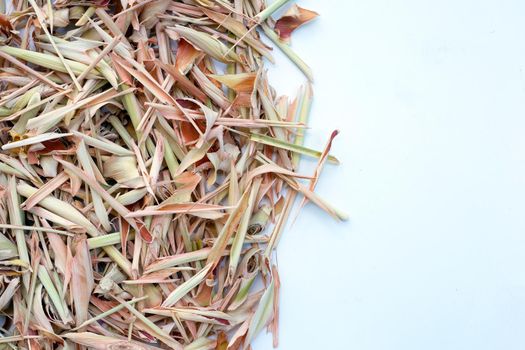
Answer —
147 171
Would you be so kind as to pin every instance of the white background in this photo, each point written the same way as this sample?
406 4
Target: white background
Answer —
430 100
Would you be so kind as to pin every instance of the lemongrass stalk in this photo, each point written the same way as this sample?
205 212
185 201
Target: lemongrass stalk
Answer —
7 248
45 101
259 220
169 157
207 43
85 17
24 100
310 195
4 111
16 338
42 20
47 120
52 292
287 50
105 145
25 68
201 343
262 314
179 292
281 222
19 167
103 241
244 289
31 294
6 169
271 114
33 140
269 10
152 327
109 312
16 218
48 61
121 130
238 241
132 107
167 131
132 196
20 126
70 213
101 65
35 228
76 12
304 113
270 141
100 211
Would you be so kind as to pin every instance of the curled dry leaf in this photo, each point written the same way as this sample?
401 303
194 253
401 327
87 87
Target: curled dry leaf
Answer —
147 172
295 17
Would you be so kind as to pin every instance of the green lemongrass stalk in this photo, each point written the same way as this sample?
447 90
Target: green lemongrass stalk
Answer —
121 48
270 141
19 167
304 112
186 287
195 315
269 10
152 327
104 145
24 100
238 241
287 50
20 126
244 289
310 195
271 114
109 312
259 220
76 12
70 213
7 248
85 161
262 314
207 43
42 19
85 17
4 111
58 302
103 241
101 65
6 169
47 120
61 208
48 61
131 105
167 131
132 196
201 343
170 158
45 101
281 222
121 130
16 218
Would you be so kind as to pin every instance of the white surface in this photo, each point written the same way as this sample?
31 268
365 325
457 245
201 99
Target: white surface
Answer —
430 100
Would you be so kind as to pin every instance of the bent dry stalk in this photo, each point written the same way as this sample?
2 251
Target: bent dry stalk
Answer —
144 189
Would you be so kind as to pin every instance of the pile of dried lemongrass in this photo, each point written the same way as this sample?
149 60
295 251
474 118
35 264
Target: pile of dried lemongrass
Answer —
147 170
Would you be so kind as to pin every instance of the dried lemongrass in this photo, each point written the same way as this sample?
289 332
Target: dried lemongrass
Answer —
145 185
